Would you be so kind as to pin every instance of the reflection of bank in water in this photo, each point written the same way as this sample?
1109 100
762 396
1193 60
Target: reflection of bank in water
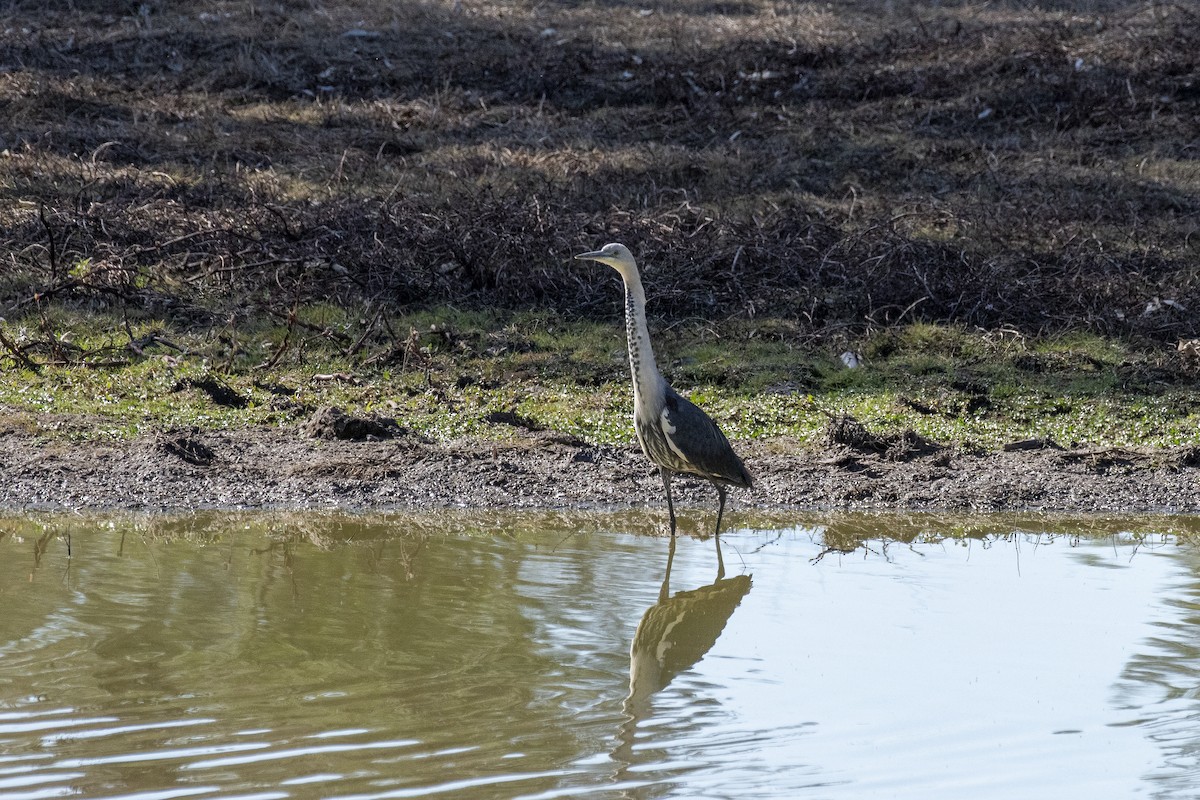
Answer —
677 631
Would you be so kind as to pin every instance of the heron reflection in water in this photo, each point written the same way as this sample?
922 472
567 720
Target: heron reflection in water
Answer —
674 633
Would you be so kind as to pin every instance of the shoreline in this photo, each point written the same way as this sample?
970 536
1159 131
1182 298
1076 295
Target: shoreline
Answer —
281 469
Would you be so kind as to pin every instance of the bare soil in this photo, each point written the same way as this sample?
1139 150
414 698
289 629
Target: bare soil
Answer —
850 164
277 467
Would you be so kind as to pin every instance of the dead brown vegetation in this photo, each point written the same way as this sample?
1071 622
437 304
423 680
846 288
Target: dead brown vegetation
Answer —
1027 165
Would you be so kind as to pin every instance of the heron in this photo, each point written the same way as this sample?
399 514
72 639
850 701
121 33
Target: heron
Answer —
674 433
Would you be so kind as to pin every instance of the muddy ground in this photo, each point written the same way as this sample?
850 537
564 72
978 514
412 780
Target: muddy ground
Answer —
278 467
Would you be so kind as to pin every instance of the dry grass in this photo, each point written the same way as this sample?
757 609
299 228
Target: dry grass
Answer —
1002 165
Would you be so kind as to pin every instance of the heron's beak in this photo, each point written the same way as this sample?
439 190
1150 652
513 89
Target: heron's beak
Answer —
595 255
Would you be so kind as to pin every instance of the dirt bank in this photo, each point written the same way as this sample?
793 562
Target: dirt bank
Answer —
275 467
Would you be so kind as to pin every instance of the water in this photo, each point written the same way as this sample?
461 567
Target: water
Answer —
297 656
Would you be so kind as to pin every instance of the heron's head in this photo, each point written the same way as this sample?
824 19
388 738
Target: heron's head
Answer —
616 255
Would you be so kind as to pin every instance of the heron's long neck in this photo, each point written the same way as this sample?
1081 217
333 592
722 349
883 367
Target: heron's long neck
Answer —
646 378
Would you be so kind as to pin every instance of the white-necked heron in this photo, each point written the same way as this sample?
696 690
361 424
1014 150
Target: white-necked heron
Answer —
673 432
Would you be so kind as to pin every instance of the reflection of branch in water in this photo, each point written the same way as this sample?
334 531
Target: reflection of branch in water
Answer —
772 541
830 549
42 543
39 548
674 633
406 559
289 565
145 543
66 576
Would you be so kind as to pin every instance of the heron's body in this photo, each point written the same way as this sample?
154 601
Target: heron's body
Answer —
674 433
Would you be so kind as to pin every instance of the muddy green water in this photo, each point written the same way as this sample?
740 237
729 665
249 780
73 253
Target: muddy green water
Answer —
307 656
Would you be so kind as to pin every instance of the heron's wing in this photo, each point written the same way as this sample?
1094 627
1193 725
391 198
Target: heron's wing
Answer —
694 436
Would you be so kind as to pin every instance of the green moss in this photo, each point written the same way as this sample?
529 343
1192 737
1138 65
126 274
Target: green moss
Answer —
441 373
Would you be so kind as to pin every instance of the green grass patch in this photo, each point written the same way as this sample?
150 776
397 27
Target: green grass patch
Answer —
442 374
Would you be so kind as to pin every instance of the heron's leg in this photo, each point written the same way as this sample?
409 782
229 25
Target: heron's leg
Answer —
721 491
666 476
666 584
717 533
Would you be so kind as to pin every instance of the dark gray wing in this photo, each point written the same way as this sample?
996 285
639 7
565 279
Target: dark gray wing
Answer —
693 435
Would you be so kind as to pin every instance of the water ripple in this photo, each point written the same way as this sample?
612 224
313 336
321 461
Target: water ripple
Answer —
41 725
456 786
298 752
34 780
161 755
122 729
40 794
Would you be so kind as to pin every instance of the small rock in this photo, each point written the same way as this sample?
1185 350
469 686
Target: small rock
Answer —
189 448
331 422
1031 444
514 419
846 430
